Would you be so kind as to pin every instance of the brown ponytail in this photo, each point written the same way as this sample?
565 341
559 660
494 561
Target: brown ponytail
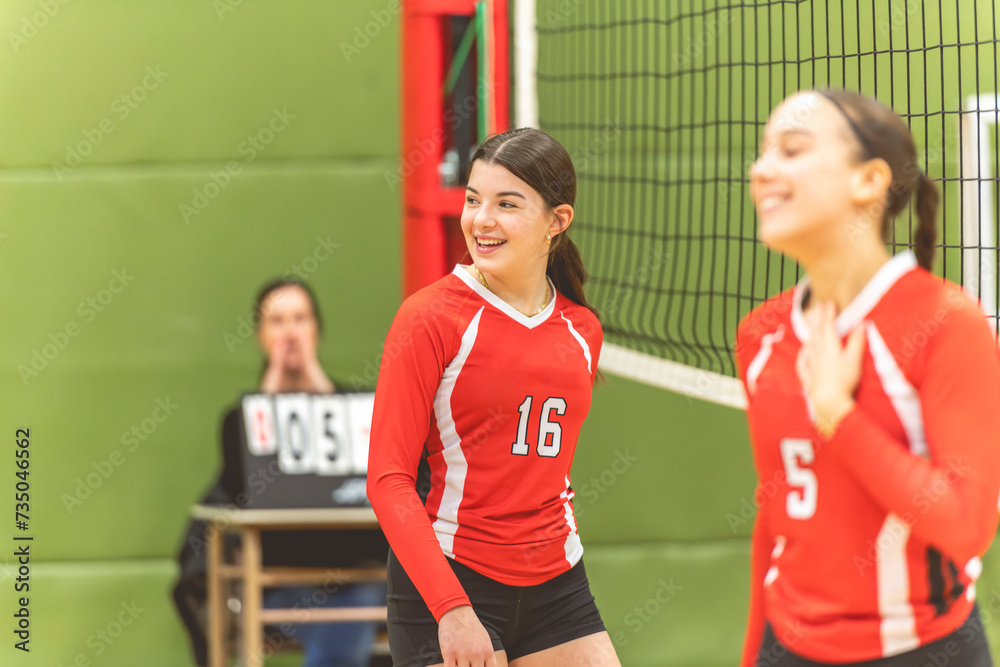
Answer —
881 133
925 236
566 270
542 162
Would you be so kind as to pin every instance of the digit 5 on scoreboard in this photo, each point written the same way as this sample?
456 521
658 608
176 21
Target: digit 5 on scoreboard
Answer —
330 427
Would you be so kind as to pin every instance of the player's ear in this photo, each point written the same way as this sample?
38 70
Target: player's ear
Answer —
871 181
562 216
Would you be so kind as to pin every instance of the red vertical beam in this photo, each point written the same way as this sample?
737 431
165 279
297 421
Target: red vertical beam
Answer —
501 66
426 203
422 71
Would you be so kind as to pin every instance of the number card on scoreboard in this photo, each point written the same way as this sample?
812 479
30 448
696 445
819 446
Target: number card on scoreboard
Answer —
306 450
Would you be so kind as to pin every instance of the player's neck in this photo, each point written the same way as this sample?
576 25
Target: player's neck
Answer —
525 292
840 276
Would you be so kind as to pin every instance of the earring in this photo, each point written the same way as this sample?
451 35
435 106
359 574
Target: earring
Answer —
548 240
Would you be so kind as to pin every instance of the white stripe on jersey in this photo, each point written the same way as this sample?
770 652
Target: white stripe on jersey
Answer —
888 275
772 572
573 546
899 627
904 397
580 340
973 569
767 342
456 467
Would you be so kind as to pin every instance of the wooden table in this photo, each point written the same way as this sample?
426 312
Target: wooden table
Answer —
249 524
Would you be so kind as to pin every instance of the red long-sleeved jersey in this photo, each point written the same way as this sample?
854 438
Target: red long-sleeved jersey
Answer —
868 544
488 403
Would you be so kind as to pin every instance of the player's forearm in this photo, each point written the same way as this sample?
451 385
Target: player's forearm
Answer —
943 502
408 530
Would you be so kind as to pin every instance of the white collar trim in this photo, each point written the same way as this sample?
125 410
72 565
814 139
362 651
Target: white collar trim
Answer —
866 300
504 307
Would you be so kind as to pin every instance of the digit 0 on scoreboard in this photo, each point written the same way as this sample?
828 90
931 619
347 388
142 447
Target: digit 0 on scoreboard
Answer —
296 441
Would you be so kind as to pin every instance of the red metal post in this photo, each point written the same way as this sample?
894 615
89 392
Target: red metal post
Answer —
426 203
501 67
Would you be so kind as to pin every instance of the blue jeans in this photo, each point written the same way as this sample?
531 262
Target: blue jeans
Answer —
331 644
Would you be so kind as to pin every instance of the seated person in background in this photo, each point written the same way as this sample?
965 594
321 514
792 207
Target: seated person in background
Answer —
288 331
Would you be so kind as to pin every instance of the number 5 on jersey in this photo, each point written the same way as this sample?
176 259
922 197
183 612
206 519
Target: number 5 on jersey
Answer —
549 432
795 453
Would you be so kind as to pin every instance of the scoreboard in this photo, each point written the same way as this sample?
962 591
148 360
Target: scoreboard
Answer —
306 450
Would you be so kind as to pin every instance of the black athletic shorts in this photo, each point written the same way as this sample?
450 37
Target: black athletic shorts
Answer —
965 647
519 619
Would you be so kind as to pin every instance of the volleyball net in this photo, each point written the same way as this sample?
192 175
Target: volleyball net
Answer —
661 105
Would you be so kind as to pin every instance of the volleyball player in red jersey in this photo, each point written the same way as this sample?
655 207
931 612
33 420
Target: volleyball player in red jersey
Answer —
484 383
873 404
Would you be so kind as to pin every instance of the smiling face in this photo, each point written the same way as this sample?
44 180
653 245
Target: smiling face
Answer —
505 222
805 182
288 326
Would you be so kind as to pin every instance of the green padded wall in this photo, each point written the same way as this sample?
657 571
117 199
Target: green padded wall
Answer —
116 117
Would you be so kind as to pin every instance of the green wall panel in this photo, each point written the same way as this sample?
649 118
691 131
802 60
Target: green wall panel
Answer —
218 76
113 613
173 332
672 605
172 196
655 466
333 223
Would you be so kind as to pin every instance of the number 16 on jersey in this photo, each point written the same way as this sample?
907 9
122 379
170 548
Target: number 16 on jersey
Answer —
549 432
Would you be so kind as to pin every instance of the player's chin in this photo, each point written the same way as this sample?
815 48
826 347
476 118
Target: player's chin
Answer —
777 236
294 361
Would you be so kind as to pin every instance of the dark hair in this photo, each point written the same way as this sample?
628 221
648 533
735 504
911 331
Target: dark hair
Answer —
276 285
883 134
543 163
